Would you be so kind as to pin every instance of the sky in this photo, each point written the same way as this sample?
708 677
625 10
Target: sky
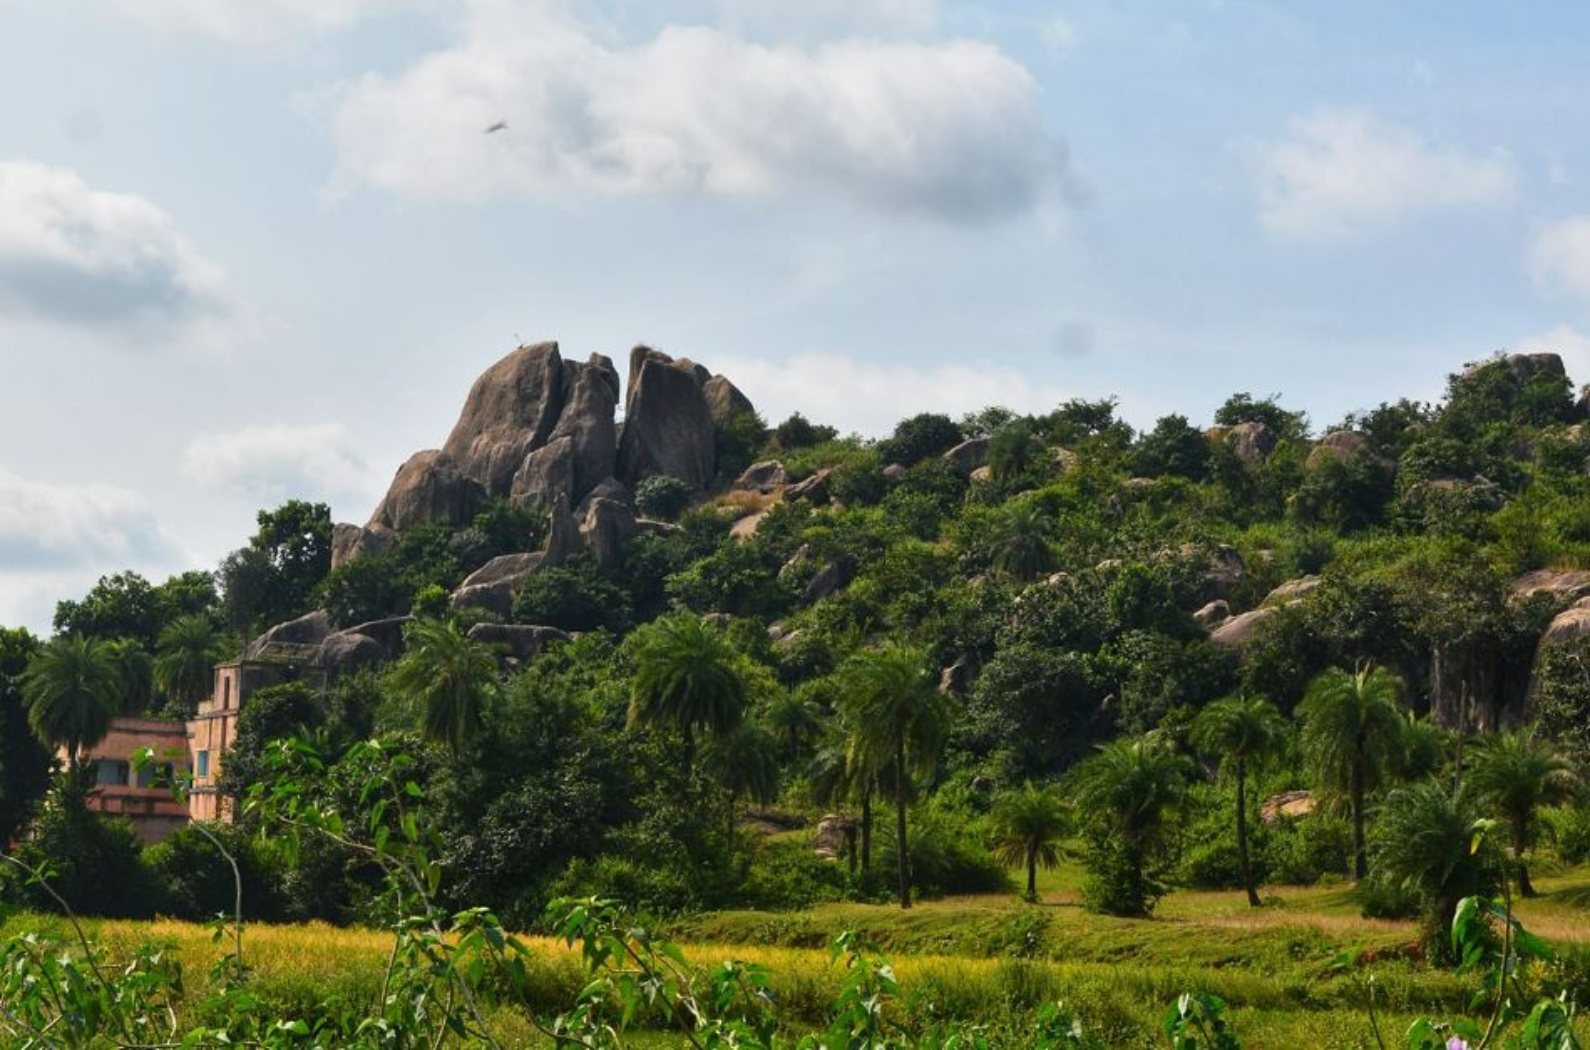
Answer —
253 250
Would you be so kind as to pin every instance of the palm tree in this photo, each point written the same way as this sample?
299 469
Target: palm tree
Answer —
899 723
1023 544
1012 450
1352 736
1129 788
1515 774
1027 824
685 676
450 675
72 689
745 762
135 673
833 780
185 659
1424 838
793 720
1240 732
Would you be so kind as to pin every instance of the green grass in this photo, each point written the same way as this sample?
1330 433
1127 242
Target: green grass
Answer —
1281 967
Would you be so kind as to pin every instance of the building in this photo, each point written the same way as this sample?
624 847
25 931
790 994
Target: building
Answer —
142 795
213 729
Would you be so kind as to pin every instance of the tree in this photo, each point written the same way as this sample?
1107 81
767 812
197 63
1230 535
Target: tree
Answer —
1022 551
1424 839
1352 732
744 761
1174 447
1027 825
1129 788
685 677
124 605
452 676
1514 774
185 659
1240 732
72 692
917 438
794 720
1013 450
275 577
24 763
899 724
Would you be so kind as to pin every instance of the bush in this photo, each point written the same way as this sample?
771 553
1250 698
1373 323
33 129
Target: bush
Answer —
919 437
663 496
574 596
1301 852
1379 899
1118 883
945 862
788 876
93 862
197 882
1569 828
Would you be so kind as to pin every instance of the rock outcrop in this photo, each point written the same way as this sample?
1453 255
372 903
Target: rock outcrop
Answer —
516 641
1252 443
1237 631
668 421
292 641
968 455
608 525
765 476
428 487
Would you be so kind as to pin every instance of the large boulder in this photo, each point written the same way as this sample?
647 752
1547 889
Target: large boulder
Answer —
1570 584
1339 445
350 541
346 651
582 450
1252 443
725 401
765 476
492 586
291 641
968 455
607 527
511 410
1291 591
563 535
830 578
814 489
668 424
1237 631
1569 625
428 487
517 641
1213 614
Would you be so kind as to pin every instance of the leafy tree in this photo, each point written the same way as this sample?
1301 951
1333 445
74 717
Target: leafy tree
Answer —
1175 448
1028 825
72 689
369 588
275 577
189 593
1087 423
135 673
185 659
663 496
1022 547
686 677
741 579
1240 732
1424 839
1128 789
1515 773
917 438
574 596
899 723
736 441
798 432
1242 408
744 762
1351 735
272 714
124 605
452 676
24 763
1014 451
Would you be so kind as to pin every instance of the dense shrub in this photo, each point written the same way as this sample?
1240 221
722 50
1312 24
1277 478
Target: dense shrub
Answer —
663 496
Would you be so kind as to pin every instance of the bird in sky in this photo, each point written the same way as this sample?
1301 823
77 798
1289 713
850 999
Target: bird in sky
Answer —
501 125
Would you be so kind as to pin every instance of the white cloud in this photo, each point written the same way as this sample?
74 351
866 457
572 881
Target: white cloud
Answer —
949 128
819 19
48 526
870 398
278 461
79 256
1059 37
254 22
1340 173
1572 344
1561 257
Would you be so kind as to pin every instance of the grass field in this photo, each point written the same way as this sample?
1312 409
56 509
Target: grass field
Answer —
990 958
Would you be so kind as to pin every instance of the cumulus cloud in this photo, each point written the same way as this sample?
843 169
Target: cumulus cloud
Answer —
75 255
952 128
870 399
277 461
818 19
253 22
1340 173
46 526
1561 257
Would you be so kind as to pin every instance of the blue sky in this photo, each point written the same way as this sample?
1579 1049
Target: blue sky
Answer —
252 249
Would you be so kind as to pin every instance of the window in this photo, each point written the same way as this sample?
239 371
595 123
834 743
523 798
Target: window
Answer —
226 692
203 765
112 773
162 776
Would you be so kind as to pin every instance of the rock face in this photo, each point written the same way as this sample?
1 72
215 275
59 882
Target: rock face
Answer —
1252 442
510 411
1340 445
1565 583
491 587
1569 625
968 455
608 525
830 578
836 837
517 641
582 449
725 401
1212 615
765 476
1238 630
668 421
428 487
1291 591
293 639
814 489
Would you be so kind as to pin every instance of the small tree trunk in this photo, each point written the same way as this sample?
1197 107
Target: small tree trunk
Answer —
1032 871
1521 843
1243 859
902 852
1360 851
866 825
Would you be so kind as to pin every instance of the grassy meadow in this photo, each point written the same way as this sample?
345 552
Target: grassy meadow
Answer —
987 958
